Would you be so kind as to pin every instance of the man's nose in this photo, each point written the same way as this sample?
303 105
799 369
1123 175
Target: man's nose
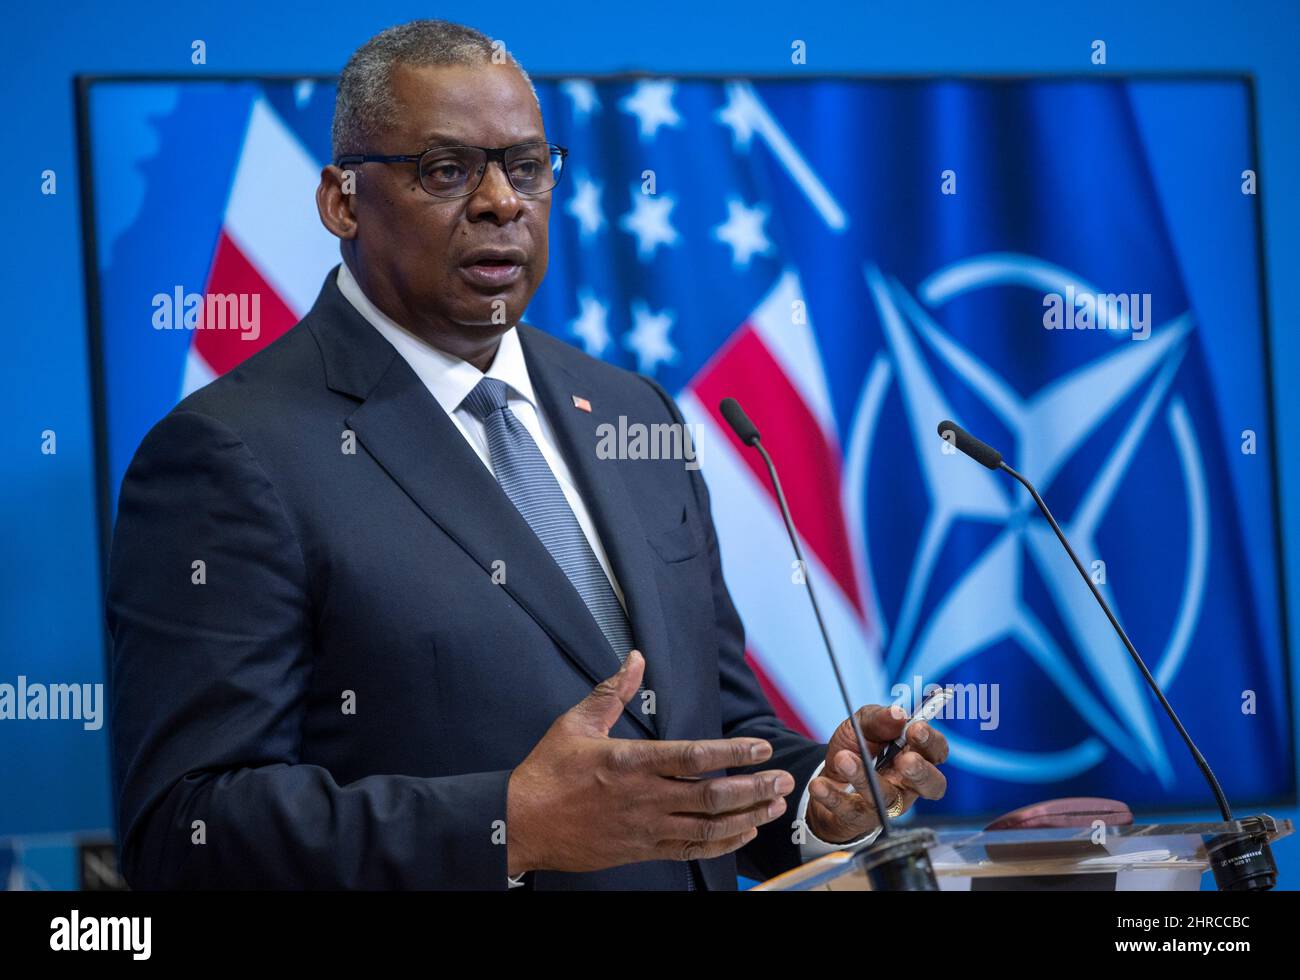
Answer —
496 198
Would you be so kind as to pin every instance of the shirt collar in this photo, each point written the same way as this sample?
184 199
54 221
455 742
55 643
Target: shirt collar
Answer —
448 378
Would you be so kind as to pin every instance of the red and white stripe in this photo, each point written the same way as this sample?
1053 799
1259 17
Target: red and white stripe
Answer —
272 244
772 367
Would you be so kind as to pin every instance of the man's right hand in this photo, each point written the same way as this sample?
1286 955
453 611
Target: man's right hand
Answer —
582 801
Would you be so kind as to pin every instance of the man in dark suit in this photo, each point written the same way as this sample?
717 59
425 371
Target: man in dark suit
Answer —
373 594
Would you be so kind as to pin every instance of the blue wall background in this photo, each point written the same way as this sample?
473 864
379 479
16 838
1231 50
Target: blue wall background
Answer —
50 591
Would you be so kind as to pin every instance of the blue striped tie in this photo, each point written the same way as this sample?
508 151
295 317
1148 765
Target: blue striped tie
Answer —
525 476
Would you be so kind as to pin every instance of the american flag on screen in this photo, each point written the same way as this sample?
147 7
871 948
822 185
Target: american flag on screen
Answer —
619 243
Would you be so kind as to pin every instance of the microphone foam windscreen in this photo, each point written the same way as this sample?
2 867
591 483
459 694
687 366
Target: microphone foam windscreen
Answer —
739 421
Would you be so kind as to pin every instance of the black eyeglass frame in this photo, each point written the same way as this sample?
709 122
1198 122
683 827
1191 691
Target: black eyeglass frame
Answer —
497 153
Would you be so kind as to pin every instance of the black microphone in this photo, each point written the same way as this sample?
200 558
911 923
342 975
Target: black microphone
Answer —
1241 861
739 421
981 452
894 861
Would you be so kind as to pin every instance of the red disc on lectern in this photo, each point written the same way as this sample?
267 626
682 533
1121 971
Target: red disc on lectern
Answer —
1071 811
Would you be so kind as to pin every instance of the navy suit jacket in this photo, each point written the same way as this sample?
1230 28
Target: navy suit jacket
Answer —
331 579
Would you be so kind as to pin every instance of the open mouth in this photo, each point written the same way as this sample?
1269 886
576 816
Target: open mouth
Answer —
494 269
492 272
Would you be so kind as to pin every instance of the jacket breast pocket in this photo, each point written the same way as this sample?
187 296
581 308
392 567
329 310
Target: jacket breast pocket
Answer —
677 544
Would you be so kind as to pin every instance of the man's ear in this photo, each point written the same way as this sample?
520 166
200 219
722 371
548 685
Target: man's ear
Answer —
335 199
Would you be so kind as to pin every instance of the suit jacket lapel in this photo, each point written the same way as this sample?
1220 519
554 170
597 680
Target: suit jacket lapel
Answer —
405 429
606 494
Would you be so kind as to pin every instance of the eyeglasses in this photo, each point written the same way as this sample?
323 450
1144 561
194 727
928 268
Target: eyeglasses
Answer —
456 170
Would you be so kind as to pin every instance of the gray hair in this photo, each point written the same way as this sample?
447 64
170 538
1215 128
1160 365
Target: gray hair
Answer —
364 106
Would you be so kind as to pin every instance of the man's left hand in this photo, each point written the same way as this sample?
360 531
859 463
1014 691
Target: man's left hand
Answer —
838 815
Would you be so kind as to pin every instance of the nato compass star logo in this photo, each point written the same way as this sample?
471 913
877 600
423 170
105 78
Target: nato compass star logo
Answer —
986 605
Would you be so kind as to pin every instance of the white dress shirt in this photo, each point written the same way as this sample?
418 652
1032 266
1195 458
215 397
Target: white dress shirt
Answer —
449 379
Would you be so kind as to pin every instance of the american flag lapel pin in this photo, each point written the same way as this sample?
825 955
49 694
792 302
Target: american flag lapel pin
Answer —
582 403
